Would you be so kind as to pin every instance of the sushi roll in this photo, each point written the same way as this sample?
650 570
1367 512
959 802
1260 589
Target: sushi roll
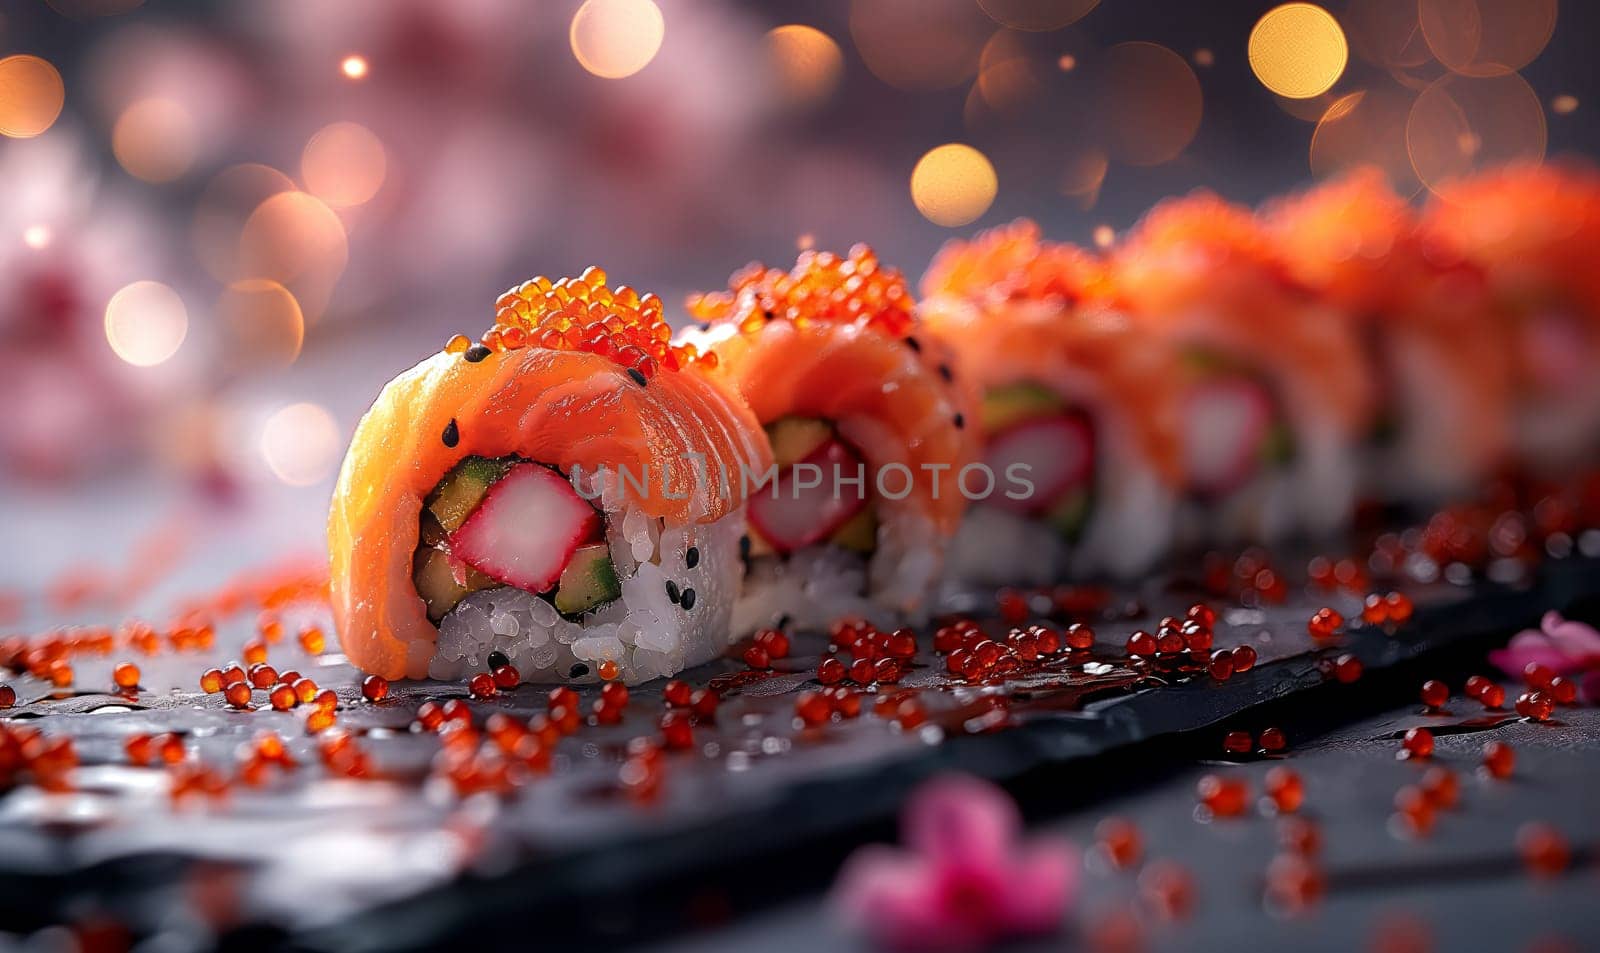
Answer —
870 438
1069 388
1276 393
543 495
1533 229
1443 420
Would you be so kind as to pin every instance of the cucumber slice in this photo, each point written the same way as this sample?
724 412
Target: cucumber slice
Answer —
589 580
437 584
794 438
462 489
860 533
1015 403
1071 514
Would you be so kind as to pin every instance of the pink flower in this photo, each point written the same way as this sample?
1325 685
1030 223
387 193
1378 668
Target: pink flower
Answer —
1560 644
965 880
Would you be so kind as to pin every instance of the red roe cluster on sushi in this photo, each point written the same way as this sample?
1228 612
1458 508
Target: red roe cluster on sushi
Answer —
822 287
583 314
1012 262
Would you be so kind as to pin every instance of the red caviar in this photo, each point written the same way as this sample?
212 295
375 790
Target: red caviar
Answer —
1417 743
1273 740
586 314
1237 742
1544 850
1244 659
1119 842
1435 693
821 287
312 640
481 685
1285 788
238 695
1499 759
1224 796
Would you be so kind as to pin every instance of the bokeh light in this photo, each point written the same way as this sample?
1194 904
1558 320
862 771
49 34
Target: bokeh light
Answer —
808 62
154 140
1564 104
1083 172
1150 103
1366 128
224 206
1037 15
31 96
296 240
263 322
354 66
37 237
1008 74
1385 33
1486 37
300 444
616 38
1461 123
953 184
1298 50
344 164
919 44
146 323
1104 236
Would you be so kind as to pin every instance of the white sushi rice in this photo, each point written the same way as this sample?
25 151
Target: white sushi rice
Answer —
644 631
820 584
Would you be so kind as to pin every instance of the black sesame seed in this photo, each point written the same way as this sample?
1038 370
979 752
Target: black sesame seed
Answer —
687 599
497 659
672 590
768 314
452 433
475 353
946 373
914 344
578 671
691 558
705 326
744 547
961 421
637 375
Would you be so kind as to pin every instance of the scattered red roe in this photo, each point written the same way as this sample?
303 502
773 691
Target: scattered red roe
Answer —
1142 644
312 640
238 695
1544 850
283 698
812 708
1537 675
1168 888
1493 697
255 652
1300 835
845 702
1347 669
1119 842
126 676
374 688
1236 742
831 671
1273 740
1285 789
1417 743
1202 614
170 747
1324 624
608 670
506 677
1499 760
1220 665
676 693
1414 811
1244 659
481 685
139 749
776 643
1400 608
1294 883
1563 690
1223 796
676 732
1079 637
262 675
1434 694
757 658
1375 610
1535 706
1442 787
8 696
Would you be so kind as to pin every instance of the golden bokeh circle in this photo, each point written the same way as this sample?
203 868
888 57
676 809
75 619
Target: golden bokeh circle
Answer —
616 38
344 164
953 184
146 323
1461 124
263 321
919 44
155 140
1298 50
1149 101
31 96
1366 128
300 444
1037 16
1486 37
299 242
808 62
224 206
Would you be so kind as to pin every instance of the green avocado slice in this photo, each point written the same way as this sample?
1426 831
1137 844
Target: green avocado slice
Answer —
589 580
1014 403
794 438
463 488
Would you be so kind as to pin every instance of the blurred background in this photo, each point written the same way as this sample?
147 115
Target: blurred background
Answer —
223 225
